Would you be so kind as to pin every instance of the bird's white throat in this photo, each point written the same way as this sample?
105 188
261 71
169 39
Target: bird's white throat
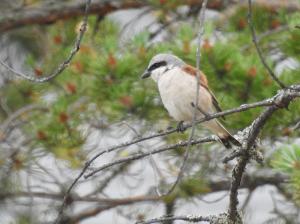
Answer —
159 72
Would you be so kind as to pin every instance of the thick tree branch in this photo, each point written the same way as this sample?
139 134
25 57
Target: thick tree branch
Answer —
50 13
284 97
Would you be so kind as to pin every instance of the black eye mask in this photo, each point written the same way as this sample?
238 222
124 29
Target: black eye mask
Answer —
157 65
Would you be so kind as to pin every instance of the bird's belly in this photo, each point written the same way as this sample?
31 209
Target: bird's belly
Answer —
177 106
177 94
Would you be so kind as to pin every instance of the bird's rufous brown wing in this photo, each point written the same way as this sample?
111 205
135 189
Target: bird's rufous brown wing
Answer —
204 83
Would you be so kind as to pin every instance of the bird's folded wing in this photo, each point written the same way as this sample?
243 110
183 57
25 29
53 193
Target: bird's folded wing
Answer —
214 100
204 83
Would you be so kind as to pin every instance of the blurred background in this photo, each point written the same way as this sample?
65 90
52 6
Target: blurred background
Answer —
48 131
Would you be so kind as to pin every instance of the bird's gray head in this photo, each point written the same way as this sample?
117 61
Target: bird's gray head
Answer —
160 63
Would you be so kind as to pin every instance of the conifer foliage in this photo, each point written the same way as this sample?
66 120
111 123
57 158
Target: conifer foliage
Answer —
99 101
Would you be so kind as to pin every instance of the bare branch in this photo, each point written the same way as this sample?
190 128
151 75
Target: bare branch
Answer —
142 155
50 13
250 180
267 34
65 63
19 113
93 211
7 125
187 218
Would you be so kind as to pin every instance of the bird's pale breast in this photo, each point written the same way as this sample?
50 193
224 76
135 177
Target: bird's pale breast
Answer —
178 91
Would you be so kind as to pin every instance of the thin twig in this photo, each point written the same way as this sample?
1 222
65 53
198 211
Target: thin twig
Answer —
65 63
251 180
254 39
57 72
142 155
247 200
232 156
187 218
195 112
267 34
5 124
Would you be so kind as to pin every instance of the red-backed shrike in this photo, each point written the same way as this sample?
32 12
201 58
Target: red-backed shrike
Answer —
177 82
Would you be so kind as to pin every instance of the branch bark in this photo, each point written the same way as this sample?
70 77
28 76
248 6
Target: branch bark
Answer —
50 13
284 97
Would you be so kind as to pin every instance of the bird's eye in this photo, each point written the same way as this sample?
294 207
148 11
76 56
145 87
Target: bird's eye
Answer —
157 65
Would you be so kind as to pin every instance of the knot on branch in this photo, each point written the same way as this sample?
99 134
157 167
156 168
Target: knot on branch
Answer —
243 136
250 151
284 96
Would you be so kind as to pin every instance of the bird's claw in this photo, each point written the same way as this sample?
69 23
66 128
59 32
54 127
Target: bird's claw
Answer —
181 127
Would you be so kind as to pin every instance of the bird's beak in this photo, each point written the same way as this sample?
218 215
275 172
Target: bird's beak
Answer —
146 74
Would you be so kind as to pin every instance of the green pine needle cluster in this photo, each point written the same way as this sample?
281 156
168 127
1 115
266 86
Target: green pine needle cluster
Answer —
287 159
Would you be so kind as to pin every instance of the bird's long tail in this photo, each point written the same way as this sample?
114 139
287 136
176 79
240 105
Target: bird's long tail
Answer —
226 138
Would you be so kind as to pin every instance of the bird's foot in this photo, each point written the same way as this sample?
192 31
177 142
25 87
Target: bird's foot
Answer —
181 127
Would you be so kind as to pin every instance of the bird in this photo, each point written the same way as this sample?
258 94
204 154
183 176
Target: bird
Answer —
177 82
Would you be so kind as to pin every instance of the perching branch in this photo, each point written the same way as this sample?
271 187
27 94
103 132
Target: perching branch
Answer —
65 63
244 107
239 170
280 101
276 101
